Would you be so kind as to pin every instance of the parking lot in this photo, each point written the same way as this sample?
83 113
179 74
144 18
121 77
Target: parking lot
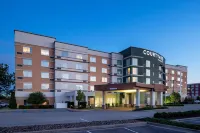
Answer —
195 120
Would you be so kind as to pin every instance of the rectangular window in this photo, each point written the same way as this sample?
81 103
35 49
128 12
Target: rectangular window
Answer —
92 78
27 50
119 71
104 79
160 75
166 70
172 71
119 62
128 80
78 77
166 84
92 69
160 82
128 71
79 87
44 75
178 72
147 72
91 88
45 63
181 74
166 77
27 73
172 78
160 68
27 85
134 71
172 85
27 62
104 70
147 80
119 80
64 53
63 65
134 61
134 79
79 56
44 86
92 59
128 62
178 79
45 52
104 61
65 75
148 64
79 66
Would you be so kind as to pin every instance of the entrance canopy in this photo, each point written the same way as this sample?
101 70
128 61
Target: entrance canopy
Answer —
131 86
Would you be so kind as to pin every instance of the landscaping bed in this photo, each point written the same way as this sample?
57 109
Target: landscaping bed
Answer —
177 115
61 126
150 108
36 106
173 123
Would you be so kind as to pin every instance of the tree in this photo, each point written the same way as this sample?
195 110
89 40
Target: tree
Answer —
168 99
6 79
175 97
36 98
80 96
12 101
198 98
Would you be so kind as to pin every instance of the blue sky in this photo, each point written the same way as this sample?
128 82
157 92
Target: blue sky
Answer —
169 27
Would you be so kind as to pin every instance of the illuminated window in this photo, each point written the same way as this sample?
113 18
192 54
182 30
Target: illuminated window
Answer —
92 78
92 59
166 70
147 80
172 71
178 73
104 79
134 70
128 71
27 85
44 86
92 69
45 52
79 56
27 50
27 73
104 61
128 80
147 72
44 75
104 70
172 78
91 88
134 79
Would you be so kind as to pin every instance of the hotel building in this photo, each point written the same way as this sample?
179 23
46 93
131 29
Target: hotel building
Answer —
193 90
57 69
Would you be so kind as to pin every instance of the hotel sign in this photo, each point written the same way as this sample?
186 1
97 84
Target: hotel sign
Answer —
153 54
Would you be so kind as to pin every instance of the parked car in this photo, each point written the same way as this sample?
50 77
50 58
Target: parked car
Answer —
2 104
197 101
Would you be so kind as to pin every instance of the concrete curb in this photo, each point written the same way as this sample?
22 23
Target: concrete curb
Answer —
174 127
101 127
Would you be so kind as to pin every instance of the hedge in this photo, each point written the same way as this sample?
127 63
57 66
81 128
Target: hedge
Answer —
171 115
150 108
172 104
173 123
36 106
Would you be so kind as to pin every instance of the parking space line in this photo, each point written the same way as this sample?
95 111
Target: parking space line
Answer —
84 120
168 128
130 130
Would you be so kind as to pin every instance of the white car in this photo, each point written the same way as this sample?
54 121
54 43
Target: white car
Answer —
197 101
2 104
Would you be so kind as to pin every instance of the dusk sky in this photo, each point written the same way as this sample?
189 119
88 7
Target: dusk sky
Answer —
169 27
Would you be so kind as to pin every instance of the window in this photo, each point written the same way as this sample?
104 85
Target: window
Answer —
148 63
119 62
45 63
63 65
44 86
128 80
181 74
178 79
64 53
45 52
91 88
27 50
166 84
166 70
147 80
128 62
65 75
27 62
119 80
153 73
92 69
172 85
104 70
160 68
92 78
92 59
134 70
104 79
160 82
172 71
160 75
104 61
79 56
178 73
119 71
134 61
134 79
79 87
27 85
78 76
166 77
128 71
172 78
44 74
147 72
79 66
153 65
27 73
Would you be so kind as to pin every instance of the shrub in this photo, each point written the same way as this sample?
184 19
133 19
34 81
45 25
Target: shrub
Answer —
82 105
175 97
150 108
36 98
12 101
173 104
70 104
170 115
36 106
